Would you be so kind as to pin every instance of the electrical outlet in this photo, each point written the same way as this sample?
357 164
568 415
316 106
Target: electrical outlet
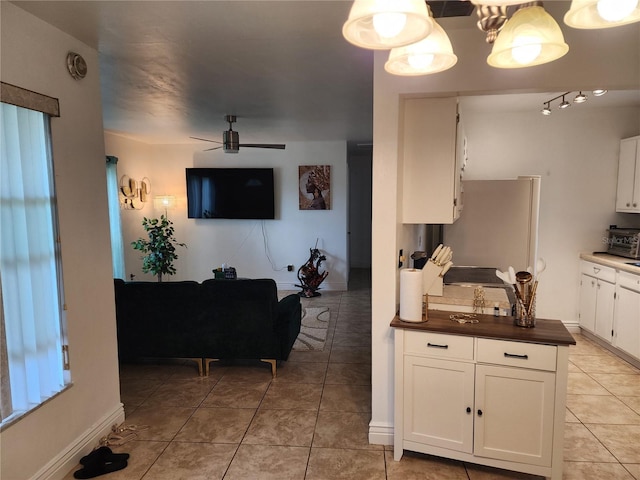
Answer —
290 268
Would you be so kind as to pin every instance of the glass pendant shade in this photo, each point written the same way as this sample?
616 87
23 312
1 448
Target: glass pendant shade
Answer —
386 24
531 37
432 55
497 3
602 13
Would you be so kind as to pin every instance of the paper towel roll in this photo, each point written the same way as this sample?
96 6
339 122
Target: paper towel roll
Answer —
411 295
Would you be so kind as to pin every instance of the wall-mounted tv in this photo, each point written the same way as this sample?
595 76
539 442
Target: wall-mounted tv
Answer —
230 193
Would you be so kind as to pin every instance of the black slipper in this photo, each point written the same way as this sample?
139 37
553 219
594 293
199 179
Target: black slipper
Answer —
103 454
99 468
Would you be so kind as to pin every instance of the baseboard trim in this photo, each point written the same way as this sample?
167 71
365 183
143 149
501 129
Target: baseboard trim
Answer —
69 458
380 434
616 351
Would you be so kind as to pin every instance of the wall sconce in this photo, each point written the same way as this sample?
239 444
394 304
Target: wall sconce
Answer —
166 202
133 194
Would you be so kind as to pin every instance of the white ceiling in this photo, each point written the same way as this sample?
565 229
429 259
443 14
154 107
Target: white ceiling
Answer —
173 69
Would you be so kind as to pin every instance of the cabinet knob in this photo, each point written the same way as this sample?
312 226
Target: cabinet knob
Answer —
479 412
468 409
635 204
628 204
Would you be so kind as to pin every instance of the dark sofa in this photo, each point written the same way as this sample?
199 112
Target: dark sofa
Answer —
212 320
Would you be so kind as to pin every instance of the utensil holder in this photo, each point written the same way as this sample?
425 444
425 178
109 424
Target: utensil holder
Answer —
525 314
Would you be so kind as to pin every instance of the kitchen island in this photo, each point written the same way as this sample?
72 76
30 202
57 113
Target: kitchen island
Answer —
489 392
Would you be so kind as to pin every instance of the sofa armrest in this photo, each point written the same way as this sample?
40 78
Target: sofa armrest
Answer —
287 325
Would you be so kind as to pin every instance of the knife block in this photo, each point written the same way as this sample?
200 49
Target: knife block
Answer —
437 288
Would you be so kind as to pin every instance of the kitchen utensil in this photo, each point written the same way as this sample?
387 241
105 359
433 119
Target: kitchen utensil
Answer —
541 266
446 268
443 253
436 252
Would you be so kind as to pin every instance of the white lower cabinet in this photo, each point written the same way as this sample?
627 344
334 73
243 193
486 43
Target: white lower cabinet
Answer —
597 299
514 414
442 386
627 314
488 401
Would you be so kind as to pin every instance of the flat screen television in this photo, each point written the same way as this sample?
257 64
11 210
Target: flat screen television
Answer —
230 193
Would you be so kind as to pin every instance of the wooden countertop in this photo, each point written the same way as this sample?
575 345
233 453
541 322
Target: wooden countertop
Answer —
619 263
551 332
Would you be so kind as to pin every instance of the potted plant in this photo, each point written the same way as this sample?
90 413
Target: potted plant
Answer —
160 248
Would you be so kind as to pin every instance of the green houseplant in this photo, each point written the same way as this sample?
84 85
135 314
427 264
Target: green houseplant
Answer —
160 248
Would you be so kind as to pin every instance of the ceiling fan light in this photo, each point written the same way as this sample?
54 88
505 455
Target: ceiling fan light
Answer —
591 14
432 55
386 24
580 98
599 92
531 37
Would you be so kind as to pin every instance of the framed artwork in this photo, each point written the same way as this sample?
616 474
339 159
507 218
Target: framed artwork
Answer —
314 190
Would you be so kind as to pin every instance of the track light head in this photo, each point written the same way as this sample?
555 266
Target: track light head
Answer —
599 92
580 98
564 104
546 110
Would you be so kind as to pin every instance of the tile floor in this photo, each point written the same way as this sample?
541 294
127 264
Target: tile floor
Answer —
311 421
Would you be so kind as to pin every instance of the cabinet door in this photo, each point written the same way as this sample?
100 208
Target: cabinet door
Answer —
438 402
605 303
628 195
627 321
428 146
514 414
588 289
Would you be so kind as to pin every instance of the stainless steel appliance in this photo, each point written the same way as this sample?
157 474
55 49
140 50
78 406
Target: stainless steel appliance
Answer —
624 242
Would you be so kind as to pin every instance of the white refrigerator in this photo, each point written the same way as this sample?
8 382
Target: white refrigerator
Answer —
498 227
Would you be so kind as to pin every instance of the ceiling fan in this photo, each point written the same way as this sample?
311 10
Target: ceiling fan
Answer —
231 140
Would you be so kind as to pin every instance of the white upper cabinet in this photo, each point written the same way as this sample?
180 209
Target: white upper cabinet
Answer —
628 197
433 154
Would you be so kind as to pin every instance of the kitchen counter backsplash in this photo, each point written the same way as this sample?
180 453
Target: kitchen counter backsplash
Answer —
620 263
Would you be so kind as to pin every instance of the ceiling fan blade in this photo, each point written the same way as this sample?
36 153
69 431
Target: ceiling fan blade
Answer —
276 146
206 140
214 148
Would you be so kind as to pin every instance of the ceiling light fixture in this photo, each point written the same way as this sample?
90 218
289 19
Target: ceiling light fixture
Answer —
530 37
590 14
432 55
579 98
386 24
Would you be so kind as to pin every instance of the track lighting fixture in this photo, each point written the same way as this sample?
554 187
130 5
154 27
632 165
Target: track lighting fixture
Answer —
579 98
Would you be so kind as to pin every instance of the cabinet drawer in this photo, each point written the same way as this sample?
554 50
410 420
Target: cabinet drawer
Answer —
438 345
599 271
629 281
517 354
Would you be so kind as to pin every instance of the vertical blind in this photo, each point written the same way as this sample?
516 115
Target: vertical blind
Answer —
117 244
29 260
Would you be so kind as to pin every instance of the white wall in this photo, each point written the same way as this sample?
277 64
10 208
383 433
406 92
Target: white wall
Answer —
605 58
48 442
576 154
241 243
